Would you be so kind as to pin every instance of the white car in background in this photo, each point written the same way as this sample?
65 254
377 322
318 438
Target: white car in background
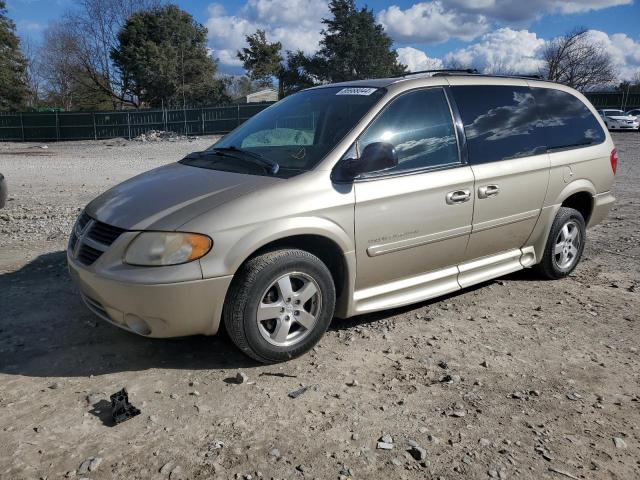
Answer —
634 113
618 120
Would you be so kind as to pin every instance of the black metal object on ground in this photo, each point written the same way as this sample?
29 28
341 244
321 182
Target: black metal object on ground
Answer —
121 409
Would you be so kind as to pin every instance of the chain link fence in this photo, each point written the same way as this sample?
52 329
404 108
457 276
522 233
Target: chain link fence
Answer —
31 126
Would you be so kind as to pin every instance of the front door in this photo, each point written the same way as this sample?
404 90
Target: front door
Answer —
412 222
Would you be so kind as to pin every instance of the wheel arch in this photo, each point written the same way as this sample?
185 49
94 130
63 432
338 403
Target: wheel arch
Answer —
578 195
320 237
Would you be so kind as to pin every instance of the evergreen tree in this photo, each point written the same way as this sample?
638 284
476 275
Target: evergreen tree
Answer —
162 58
354 46
262 59
13 65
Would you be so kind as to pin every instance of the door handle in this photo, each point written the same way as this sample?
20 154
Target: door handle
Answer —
458 196
488 191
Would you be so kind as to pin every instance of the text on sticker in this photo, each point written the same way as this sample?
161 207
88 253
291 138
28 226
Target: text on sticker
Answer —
356 91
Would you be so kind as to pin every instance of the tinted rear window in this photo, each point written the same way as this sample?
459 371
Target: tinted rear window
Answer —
567 121
504 122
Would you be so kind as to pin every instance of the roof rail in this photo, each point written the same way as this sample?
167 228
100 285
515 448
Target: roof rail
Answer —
472 71
469 71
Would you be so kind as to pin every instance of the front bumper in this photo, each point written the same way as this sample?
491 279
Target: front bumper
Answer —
153 310
624 126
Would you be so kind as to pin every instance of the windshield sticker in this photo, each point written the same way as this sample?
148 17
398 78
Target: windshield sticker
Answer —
356 91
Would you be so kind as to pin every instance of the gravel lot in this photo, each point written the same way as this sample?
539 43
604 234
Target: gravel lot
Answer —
515 378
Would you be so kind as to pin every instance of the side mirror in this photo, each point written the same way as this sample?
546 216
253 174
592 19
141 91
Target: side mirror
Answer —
375 156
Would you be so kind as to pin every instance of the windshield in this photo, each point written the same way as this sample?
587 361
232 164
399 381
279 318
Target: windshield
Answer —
614 112
298 131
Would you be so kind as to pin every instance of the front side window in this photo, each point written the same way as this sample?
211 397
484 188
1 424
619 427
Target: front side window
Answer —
419 125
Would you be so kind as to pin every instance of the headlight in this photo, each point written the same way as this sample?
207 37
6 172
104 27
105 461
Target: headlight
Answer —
166 248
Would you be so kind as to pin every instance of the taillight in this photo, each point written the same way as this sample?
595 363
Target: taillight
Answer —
614 160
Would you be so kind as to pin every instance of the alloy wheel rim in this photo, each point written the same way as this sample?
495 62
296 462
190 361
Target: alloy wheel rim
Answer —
567 245
289 308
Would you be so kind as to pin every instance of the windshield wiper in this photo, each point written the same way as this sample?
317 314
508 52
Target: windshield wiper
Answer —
270 165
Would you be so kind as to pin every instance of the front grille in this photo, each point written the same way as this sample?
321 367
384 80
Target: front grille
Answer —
103 233
91 238
83 219
88 255
73 241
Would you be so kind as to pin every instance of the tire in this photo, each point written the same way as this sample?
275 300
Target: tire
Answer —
562 253
293 293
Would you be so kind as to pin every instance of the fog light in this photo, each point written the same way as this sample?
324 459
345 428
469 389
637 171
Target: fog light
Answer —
137 324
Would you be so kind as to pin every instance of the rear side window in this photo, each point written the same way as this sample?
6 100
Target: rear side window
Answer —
568 122
504 122
501 122
420 127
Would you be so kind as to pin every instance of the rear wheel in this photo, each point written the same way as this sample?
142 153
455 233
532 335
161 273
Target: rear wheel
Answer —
565 244
279 305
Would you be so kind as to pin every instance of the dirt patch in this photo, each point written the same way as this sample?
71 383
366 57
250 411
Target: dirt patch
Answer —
515 378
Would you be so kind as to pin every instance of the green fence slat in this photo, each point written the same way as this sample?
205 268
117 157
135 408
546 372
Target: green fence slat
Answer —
50 126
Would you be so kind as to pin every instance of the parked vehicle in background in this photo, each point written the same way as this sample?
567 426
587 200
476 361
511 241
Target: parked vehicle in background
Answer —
618 120
634 113
3 191
346 199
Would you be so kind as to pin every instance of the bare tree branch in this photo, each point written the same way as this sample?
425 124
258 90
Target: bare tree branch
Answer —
574 59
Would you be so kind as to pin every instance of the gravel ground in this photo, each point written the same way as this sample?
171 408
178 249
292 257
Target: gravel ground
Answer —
515 378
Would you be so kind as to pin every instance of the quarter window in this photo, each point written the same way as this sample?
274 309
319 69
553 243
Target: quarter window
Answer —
419 126
503 122
567 121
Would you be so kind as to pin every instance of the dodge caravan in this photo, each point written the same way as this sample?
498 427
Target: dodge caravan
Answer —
345 199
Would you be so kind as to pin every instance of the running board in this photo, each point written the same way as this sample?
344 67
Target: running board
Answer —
440 282
487 268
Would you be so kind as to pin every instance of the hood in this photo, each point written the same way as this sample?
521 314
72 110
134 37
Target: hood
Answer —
170 196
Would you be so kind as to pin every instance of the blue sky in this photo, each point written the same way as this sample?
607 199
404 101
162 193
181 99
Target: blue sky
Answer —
490 34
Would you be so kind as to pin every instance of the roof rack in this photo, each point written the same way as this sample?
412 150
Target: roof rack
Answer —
471 71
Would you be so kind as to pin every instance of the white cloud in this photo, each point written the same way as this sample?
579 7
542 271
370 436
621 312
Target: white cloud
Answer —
431 22
577 6
416 59
295 23
624 51
504 50
439 20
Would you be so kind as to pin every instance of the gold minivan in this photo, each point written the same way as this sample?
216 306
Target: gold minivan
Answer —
345 199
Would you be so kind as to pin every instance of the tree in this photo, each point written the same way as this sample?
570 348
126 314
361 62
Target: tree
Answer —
90 32
261 59
238 86
297 73
354 46
630 86
162 58
576 60
65 81
13 65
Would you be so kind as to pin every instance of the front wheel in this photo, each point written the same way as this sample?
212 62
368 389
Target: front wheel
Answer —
279 305
564 246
